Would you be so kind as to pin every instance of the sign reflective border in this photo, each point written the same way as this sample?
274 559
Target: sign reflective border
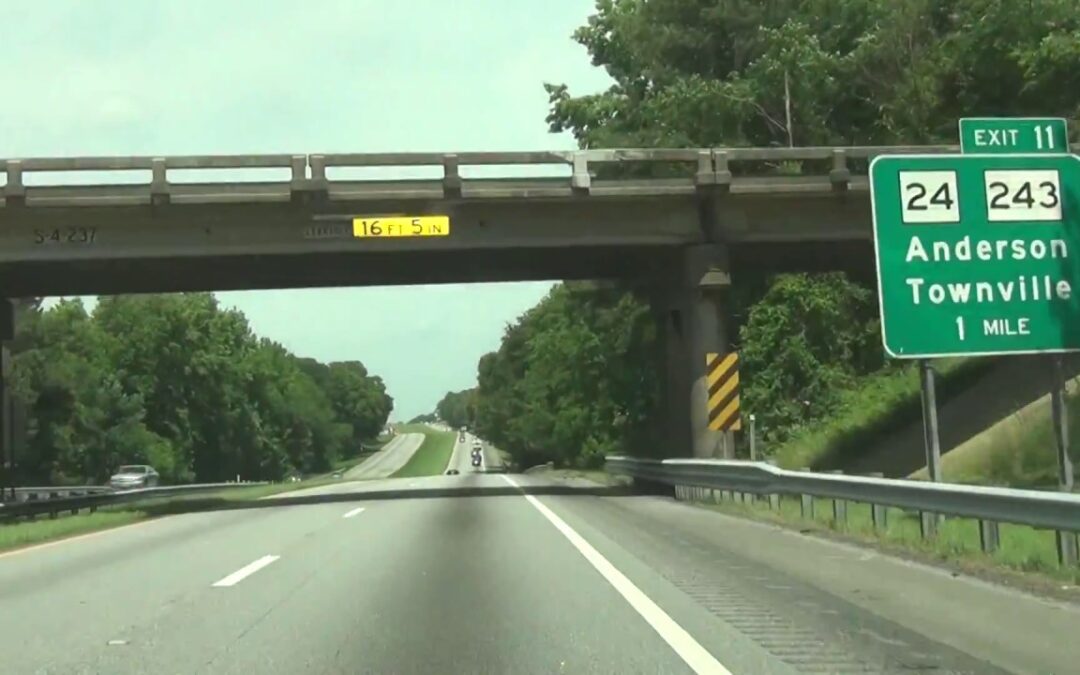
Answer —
402 226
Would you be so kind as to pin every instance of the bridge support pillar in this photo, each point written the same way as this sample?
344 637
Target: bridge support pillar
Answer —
692 317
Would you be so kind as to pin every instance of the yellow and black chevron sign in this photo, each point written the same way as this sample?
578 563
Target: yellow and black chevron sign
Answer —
722 376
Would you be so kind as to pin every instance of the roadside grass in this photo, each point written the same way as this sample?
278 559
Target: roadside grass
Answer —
18 535
881 404
1017 451
431 458
1023 550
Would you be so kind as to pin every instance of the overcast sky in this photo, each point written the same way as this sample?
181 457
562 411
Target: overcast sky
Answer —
122 77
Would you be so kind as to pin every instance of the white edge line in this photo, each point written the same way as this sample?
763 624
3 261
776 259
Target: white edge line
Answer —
355 512
689 650
246 571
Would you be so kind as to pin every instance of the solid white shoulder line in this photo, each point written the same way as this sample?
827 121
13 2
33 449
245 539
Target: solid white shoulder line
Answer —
695 656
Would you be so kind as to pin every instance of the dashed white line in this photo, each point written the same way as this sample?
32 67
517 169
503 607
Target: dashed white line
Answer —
689 650
354 512
246 571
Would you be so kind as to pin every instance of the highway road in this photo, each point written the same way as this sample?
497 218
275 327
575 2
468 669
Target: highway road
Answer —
501 573
461 459
384 463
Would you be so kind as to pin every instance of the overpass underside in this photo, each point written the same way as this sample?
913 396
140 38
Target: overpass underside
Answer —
682 237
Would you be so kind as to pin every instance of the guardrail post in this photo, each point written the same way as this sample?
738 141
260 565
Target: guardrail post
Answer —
774 501
878 513
928 524
1067 548
989 536
807 506
839 509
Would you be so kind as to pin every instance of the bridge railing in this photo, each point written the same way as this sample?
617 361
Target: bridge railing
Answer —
734 169
717 480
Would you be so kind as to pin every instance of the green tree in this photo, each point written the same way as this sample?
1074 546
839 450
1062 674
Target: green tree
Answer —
177 382
458 408
804 343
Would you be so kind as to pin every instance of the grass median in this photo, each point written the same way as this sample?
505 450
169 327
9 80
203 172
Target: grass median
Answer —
1025 557
19 534
431 458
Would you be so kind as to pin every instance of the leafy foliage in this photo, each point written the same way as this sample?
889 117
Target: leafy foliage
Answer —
177 382
567 385
458 408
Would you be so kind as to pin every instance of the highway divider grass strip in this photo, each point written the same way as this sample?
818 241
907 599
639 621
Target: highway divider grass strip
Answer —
431 458
1023 551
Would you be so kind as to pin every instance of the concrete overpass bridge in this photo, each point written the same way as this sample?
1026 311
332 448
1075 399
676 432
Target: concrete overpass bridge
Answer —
684 236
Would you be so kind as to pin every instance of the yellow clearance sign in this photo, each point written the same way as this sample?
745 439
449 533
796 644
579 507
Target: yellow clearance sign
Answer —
722 376
402 226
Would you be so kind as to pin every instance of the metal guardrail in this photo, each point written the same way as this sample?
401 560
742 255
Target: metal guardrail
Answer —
24 494
307 174
93 497
989 505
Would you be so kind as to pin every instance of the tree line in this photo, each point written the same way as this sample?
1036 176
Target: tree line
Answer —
180 383
576 376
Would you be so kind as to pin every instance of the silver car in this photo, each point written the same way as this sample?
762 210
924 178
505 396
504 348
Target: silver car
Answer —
132 476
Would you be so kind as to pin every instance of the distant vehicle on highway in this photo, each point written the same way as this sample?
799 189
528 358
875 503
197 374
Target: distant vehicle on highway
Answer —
476 459
477 445
132 476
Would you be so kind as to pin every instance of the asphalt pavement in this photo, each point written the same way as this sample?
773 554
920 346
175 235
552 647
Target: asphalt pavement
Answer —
495 573
384 463
461 459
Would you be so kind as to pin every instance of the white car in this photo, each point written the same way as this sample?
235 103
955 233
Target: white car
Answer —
131 476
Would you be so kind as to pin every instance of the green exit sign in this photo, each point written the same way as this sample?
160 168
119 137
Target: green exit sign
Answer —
1005 135
977 254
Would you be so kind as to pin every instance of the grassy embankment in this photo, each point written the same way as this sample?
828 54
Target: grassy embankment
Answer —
880 405
1017 451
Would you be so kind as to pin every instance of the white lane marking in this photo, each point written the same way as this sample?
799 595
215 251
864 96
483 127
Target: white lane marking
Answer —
355 512
688 649
246 571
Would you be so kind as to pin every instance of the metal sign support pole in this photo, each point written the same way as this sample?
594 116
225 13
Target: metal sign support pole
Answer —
753 444
930 426
1066 541
932 441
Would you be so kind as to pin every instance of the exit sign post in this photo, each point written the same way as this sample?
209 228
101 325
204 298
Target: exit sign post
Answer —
1013 135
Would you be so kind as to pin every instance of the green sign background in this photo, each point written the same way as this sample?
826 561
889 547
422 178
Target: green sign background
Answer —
1011 135
930 329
